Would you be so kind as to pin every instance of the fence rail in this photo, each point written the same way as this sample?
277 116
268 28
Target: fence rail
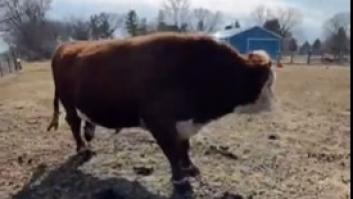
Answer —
314 59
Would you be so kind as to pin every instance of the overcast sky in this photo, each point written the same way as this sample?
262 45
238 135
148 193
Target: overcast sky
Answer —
314 12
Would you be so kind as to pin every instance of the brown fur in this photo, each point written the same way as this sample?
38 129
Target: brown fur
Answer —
87 48
159 79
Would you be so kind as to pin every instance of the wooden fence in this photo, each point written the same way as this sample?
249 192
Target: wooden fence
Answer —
314 60
9 63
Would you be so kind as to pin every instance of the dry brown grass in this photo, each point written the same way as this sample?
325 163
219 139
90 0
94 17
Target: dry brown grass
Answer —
309 157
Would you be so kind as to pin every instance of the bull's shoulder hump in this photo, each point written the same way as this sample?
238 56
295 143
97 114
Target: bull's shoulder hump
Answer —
71 49
101 47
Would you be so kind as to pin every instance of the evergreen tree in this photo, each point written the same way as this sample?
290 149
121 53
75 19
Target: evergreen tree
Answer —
317 47
305 48
131 23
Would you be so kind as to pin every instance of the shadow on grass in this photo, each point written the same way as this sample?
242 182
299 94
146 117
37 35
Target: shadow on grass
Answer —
68 182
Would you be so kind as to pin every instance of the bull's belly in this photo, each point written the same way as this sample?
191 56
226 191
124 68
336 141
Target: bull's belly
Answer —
110 118
184 128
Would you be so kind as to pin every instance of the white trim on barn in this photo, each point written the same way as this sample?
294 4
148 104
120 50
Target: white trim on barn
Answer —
270 32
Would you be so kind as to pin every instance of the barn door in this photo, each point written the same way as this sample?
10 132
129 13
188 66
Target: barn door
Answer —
271 46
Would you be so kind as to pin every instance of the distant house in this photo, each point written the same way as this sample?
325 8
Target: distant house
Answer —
3 46
251 39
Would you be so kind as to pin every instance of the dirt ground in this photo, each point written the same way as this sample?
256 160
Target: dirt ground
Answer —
301 150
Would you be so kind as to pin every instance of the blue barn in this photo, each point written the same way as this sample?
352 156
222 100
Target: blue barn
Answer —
255 38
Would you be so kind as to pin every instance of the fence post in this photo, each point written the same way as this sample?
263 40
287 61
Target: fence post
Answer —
1 72
278 58
292 57
9 63
14 59
309 57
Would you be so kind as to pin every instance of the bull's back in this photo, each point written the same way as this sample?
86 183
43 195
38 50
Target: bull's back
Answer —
112 82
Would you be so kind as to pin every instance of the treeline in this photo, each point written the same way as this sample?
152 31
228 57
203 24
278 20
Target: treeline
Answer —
29 31
336 30
33 35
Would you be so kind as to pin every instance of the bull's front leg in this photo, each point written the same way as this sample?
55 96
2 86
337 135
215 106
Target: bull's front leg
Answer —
167 138
187 165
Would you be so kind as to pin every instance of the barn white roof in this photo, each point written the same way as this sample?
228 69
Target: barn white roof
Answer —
223 34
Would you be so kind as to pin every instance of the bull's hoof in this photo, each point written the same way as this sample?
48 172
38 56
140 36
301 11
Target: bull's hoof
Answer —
191 171
89 132
53 124
89 136
80 148
86 150
183 187
84 156
87 154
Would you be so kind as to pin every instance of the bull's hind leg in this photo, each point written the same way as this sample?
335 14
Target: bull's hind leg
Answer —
187 166
89 130
75 124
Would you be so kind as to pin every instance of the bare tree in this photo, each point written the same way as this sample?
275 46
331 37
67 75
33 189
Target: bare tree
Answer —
339 20
27 28
79 29
289 18
206 20
338 44
261 14
337 40
176 11
15 12
104 25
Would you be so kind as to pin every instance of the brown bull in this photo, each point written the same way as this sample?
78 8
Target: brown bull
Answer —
173 83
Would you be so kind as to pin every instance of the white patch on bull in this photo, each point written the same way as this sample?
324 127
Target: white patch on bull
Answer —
187 128
265 58
84 116
265 100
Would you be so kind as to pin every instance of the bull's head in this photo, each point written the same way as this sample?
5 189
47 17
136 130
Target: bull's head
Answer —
265 100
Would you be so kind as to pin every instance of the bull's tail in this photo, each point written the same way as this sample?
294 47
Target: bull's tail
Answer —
55 120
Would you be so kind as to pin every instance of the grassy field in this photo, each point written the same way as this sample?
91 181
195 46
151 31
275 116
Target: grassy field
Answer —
302 150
